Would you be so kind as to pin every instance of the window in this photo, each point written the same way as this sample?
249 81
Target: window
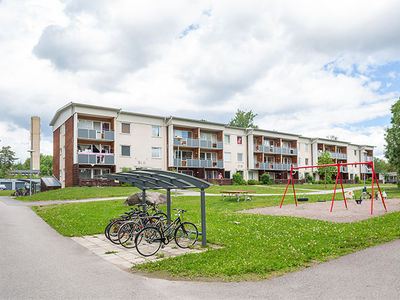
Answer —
85 173
239 140
208 137
227 174
305 147
125 150
125 128
208 156
299 161
155 152
298 145
183 134
251 175
155 131
227 139
306 161
355 152
240 157
184 155
227 156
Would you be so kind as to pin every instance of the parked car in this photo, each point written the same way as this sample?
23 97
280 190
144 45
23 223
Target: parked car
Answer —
2 187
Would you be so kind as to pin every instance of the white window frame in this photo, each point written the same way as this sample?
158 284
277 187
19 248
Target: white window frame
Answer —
241 157
306 147
154 149
122 151
227 156
227 138
125 123
156 134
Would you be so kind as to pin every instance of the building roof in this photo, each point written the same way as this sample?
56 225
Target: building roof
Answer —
51 181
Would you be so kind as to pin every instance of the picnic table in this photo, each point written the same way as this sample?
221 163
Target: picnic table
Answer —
238 194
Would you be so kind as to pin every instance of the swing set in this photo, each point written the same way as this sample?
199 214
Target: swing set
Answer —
338 176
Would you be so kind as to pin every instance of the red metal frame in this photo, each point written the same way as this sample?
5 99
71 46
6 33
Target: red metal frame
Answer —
338 176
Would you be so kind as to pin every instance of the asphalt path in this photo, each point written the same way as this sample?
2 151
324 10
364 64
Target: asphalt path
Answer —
38 263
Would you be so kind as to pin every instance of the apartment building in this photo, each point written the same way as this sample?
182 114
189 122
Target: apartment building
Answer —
89 141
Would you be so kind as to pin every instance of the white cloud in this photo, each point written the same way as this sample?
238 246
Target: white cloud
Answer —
304 67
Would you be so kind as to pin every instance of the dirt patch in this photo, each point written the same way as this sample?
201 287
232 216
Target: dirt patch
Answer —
321 210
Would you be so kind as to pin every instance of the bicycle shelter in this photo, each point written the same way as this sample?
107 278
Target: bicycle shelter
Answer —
338 176
151 179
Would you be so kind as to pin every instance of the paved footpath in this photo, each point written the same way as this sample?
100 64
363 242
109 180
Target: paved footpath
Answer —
37 263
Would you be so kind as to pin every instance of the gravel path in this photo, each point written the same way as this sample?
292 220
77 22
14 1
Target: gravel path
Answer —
321 210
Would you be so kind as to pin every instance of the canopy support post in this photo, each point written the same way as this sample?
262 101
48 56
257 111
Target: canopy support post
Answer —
203 217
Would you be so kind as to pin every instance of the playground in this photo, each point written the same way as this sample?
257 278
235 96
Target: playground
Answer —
321 210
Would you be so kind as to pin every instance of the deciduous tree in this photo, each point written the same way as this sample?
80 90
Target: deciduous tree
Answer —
243 119
392 137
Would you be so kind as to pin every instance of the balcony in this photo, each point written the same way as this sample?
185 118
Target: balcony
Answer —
92 134
276 167
197 163
344 169
335 155
96 158
368 158
199 143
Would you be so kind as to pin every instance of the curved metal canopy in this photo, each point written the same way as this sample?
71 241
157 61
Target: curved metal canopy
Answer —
146 179
150 179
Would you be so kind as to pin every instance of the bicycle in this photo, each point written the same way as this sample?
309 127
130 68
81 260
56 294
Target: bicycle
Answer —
149 239
127 231
112 231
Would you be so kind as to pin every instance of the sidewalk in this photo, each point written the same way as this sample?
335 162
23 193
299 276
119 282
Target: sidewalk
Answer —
123 257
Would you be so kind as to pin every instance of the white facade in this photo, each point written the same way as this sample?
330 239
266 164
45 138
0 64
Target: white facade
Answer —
94 140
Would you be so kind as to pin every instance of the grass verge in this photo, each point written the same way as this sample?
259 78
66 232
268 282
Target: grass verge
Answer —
255 247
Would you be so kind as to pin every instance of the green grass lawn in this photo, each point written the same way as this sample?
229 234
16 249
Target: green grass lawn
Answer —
254 247
72 193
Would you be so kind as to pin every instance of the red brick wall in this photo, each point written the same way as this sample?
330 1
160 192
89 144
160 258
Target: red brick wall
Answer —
69 152
56 153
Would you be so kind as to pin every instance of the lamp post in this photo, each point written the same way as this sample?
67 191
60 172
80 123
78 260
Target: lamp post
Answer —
30 174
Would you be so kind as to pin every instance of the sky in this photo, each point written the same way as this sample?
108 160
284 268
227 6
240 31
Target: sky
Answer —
315 68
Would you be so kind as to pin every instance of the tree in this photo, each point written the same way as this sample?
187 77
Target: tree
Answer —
325 159
46 165
243 119
7 158
392 137
332 137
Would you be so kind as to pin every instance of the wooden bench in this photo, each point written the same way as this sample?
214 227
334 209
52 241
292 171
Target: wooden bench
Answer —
238 194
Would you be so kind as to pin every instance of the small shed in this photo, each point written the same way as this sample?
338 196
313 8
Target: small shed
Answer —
48 183
151 179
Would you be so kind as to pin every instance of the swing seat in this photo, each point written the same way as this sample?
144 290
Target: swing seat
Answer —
302 199
358 201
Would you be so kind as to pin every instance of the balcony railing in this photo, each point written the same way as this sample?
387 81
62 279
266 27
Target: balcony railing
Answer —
199 143
197 163
368 158
96 158
335 155
277 150
95 135
277 167
344 169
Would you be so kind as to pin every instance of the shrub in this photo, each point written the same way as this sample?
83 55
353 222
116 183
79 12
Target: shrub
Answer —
252 182
238 179
369 180
266 179
310 178
357 178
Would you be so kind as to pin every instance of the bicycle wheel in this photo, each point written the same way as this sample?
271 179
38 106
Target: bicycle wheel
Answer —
186 235
113 231
127 234
148 241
